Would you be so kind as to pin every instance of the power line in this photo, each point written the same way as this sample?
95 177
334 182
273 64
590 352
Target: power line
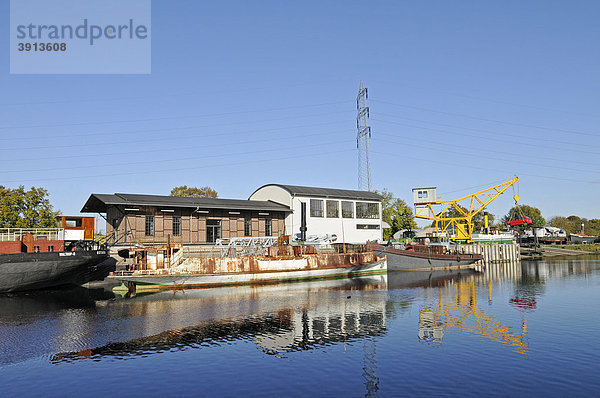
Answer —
488 157
496 151
168 149
126 132
172 117
478 167
488 120
146 172
162 160
519 105
479 130
480 137
162 139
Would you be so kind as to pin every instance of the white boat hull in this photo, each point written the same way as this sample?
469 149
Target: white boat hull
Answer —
196 280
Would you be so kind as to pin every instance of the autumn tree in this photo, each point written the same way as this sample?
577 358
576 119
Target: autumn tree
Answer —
26 209
202 192
396 213
525 211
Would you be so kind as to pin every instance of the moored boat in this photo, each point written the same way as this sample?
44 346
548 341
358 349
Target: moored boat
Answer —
283 263
30 262
423 257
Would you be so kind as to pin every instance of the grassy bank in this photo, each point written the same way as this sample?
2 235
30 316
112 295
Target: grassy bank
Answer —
585 248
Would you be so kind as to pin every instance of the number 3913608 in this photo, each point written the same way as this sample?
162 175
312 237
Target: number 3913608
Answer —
42 46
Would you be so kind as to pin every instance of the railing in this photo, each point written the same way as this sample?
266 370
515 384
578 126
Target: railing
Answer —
10 234
177 258
249 246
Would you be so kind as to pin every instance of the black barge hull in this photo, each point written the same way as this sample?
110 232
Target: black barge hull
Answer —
30 271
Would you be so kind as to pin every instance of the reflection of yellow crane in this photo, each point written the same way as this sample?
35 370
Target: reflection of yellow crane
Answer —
462 313
427 206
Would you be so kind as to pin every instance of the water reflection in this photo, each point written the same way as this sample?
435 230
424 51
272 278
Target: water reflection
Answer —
94 323
279 319
457 309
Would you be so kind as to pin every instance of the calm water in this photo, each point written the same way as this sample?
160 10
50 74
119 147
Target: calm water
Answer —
525 330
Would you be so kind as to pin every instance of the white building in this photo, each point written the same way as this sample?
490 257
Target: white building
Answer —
353 216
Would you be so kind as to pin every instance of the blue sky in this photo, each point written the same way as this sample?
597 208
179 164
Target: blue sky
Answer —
463 94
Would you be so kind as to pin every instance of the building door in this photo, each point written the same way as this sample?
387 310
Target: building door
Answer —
213 230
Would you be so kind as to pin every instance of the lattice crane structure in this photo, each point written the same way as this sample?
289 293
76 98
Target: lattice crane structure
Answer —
459 225
362 139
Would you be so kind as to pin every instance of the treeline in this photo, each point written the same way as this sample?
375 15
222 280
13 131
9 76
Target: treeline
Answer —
573 225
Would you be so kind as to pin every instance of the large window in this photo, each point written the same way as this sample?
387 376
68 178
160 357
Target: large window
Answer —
316 208
367 210
213 230
248 227
176 226
333 209
347 209
268 227
149 225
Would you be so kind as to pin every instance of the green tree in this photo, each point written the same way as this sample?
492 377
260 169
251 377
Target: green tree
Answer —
561 222
396 213
529 211
572 224
202 192
26 209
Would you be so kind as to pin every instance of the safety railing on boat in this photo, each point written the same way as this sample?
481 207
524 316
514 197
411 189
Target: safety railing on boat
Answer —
10 234
245 246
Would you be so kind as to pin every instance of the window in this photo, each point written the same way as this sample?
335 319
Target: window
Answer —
73 222
268 227
420 194
367 210
176 226
248 227
347 209
333 209
115 225
36 249
213 230
367 226
50 248
316 208
149 226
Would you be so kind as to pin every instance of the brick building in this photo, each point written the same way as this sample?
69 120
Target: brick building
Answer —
133 218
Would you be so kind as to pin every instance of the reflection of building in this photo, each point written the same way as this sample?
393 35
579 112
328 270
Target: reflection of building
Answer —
279 318
430 328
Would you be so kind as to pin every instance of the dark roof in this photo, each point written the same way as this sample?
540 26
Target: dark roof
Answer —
97 203
326 192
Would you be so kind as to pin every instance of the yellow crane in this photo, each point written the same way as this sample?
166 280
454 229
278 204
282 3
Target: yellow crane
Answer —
459 226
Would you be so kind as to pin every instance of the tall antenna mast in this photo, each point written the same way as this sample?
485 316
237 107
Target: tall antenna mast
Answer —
362 139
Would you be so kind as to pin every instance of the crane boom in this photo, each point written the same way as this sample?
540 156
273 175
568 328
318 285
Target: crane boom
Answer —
462 219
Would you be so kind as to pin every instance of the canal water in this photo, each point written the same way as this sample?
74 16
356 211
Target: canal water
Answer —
530 329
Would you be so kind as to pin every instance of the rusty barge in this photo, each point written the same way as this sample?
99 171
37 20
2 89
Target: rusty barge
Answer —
279 263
